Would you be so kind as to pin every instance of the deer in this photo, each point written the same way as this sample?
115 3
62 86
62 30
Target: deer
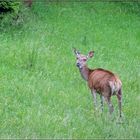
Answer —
100 81
28 2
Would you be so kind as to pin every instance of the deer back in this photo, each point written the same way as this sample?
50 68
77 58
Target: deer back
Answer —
104 81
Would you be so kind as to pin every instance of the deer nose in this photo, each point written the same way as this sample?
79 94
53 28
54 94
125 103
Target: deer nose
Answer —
77 64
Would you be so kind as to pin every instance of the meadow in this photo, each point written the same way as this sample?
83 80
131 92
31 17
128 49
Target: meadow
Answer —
42 94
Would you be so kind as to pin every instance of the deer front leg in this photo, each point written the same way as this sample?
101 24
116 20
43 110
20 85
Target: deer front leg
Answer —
102 102
94 99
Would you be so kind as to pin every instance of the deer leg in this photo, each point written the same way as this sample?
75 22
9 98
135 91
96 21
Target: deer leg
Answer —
94 98
102 102
119 96
110 106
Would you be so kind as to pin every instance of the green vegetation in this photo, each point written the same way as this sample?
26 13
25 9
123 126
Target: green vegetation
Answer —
42 94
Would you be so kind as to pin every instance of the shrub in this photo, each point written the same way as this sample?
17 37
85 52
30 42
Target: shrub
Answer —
9 6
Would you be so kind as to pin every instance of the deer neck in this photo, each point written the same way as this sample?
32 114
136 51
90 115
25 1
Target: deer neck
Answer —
85 72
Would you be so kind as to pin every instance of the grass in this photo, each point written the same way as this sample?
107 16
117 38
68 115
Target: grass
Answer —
41 92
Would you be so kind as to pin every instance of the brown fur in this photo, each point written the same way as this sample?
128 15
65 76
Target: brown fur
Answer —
99 80
28 2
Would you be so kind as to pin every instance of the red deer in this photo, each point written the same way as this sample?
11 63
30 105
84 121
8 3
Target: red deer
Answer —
100 81
28 2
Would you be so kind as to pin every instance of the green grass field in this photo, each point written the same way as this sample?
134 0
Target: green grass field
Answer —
42 94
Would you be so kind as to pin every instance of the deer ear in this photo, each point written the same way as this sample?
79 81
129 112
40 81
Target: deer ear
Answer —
90 54
76 52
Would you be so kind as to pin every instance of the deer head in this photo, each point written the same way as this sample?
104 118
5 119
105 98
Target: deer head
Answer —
82 59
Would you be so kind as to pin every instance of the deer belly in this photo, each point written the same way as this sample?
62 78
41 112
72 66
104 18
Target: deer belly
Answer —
101 87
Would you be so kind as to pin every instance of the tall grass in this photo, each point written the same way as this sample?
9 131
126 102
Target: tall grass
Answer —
41 92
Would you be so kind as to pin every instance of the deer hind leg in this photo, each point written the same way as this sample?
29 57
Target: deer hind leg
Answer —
94 93
119 96
110 105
